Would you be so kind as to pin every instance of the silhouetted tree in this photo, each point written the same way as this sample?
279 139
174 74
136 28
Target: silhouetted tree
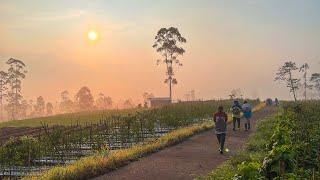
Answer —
128 104
40 106
49 108
236 94
3 89
16 73
30 108
23 109
285 74
84 99
168 42
304 69
103 102
66 104
315 79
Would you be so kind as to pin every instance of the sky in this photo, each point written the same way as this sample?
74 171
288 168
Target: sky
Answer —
230 45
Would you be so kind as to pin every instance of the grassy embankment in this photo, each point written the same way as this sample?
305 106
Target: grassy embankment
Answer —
67 119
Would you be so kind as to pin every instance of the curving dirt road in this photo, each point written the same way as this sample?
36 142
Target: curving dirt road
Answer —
194 157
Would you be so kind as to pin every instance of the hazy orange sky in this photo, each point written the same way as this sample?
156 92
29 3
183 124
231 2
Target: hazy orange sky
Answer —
230 44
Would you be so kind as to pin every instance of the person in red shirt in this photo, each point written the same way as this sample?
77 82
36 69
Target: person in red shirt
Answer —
220 118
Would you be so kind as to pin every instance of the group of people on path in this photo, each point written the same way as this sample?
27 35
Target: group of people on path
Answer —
221 117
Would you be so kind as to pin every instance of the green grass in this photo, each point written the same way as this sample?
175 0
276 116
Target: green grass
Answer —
100 164
254 151
96 116
67 119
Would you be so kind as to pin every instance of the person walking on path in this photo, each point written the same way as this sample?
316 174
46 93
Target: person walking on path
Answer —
247 113
236 114
276 101
220 118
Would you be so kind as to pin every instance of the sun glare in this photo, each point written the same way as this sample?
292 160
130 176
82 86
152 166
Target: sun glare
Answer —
92 35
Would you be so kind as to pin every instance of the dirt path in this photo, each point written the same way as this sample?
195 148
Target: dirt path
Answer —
189 159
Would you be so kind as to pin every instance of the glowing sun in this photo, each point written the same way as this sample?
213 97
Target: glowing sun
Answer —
92 35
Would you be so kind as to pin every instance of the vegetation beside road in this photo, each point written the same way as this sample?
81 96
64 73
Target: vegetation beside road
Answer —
283 147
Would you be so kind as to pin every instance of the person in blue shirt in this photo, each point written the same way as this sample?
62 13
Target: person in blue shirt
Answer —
247 113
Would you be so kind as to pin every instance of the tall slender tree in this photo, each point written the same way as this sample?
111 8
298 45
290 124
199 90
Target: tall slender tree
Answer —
315 79
16 73
3 88
285 74
168 44
304 69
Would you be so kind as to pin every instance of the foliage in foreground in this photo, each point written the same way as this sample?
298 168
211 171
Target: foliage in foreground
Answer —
103 163
290 151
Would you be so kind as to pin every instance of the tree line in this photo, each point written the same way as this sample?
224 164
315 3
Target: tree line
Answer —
297 77
14 106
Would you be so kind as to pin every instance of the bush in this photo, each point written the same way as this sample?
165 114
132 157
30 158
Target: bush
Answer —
19 152
248 171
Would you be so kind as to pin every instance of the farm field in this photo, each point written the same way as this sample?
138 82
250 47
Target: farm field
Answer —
35 127
47 146
80 118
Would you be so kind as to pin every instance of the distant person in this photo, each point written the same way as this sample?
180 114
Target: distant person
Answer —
236 114
276 101
269 102
247 113
220 118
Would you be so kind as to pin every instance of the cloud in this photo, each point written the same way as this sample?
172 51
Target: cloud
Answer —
53 17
